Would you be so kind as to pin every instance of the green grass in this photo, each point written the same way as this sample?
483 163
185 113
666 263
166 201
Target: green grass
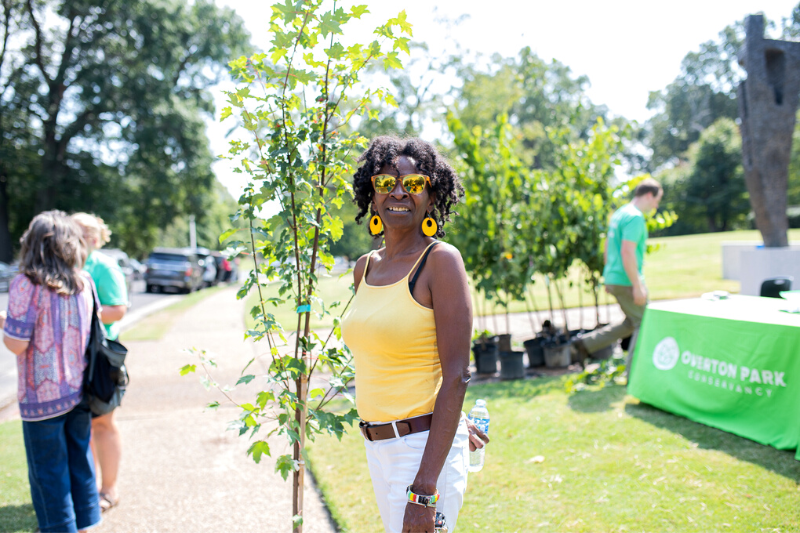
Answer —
155 326
16 510
611 464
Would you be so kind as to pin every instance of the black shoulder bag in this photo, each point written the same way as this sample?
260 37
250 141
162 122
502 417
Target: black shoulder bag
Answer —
106 377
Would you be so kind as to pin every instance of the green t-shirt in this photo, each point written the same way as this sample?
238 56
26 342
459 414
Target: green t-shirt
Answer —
110 283
627 224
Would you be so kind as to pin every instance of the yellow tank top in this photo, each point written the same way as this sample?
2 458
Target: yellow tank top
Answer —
393 340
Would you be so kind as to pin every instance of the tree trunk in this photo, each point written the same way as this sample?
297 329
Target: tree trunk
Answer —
767 104
6 246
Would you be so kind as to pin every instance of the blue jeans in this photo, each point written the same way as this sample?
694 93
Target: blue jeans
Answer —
61 471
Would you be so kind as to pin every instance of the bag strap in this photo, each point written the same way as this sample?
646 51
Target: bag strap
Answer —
91 348
413 282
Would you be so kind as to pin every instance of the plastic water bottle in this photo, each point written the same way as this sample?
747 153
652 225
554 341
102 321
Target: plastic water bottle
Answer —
479 416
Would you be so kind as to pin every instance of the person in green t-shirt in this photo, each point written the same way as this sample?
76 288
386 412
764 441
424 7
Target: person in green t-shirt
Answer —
113 295
626 243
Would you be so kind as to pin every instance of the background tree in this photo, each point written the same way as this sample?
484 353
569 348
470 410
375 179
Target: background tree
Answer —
535 95
703 92
111 97
494 207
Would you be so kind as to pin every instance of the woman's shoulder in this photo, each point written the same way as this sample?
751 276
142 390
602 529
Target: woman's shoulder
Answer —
444 252
21 285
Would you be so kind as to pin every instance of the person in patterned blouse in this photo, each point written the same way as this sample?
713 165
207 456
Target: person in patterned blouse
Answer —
47 326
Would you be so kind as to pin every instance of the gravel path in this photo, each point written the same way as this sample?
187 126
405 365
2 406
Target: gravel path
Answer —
181 470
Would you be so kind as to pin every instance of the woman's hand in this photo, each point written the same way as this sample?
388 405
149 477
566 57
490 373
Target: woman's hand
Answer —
418 519
477 438
2 319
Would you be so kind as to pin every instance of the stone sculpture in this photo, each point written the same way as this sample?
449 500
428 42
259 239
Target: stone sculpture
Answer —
768 101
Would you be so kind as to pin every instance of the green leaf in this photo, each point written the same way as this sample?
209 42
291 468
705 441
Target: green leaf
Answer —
297 521
392 61
402 44
264 397
258 449
400 20
245 379
187 369
357 11
284 465
227 234
226 112
314 393
336 51
277 54
213 405
329 24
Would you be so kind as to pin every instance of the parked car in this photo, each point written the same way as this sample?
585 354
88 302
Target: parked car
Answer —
124 263
173 267
7 273
209 267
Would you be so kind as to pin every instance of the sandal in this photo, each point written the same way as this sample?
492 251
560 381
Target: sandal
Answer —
107 502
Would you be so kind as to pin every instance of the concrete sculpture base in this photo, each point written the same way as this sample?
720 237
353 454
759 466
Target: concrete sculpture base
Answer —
764 263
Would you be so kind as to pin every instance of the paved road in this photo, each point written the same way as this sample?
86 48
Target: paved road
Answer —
8 363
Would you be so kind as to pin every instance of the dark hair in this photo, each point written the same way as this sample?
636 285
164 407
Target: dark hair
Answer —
53 252
385 150
647 186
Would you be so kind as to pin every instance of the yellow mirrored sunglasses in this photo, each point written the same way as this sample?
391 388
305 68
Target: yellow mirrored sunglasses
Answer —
411 183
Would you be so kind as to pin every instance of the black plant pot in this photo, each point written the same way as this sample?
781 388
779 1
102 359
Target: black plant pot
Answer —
557 354
535 351
485 357
512 365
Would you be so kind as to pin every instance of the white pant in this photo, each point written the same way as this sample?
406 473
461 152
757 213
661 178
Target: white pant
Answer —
393 465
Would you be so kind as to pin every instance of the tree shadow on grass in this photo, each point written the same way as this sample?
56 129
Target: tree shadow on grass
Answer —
17 518
781 462
596 400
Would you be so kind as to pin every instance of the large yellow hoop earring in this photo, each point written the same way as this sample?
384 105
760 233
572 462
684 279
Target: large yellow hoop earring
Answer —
429 227
375 225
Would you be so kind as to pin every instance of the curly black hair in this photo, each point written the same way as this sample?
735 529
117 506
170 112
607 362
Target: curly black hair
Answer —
385 150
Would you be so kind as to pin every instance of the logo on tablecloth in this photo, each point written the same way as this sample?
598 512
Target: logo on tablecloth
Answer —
666 354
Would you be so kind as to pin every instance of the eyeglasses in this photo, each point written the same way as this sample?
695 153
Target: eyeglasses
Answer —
412 183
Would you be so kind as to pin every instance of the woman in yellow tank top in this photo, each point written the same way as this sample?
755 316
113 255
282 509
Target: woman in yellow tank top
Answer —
409 329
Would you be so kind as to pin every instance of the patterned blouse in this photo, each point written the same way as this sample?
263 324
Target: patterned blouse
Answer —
51 369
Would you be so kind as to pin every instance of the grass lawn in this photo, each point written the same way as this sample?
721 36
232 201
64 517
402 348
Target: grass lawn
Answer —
16 510
611 464
153 327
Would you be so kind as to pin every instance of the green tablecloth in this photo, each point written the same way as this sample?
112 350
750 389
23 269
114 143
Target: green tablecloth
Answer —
731 364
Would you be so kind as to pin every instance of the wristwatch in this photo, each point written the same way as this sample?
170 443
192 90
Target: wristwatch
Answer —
419 499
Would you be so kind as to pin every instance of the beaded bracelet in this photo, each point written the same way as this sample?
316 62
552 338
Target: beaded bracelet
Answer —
419 499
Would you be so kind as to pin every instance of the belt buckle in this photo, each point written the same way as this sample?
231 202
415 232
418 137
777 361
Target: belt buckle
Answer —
364 430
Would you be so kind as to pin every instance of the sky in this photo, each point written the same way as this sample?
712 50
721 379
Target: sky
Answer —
627 48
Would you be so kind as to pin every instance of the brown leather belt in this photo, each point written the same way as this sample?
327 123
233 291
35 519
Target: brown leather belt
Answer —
398 428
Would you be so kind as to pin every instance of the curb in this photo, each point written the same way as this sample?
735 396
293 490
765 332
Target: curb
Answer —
130 319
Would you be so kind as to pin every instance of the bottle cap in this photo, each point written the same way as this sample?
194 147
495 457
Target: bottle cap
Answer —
480 403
